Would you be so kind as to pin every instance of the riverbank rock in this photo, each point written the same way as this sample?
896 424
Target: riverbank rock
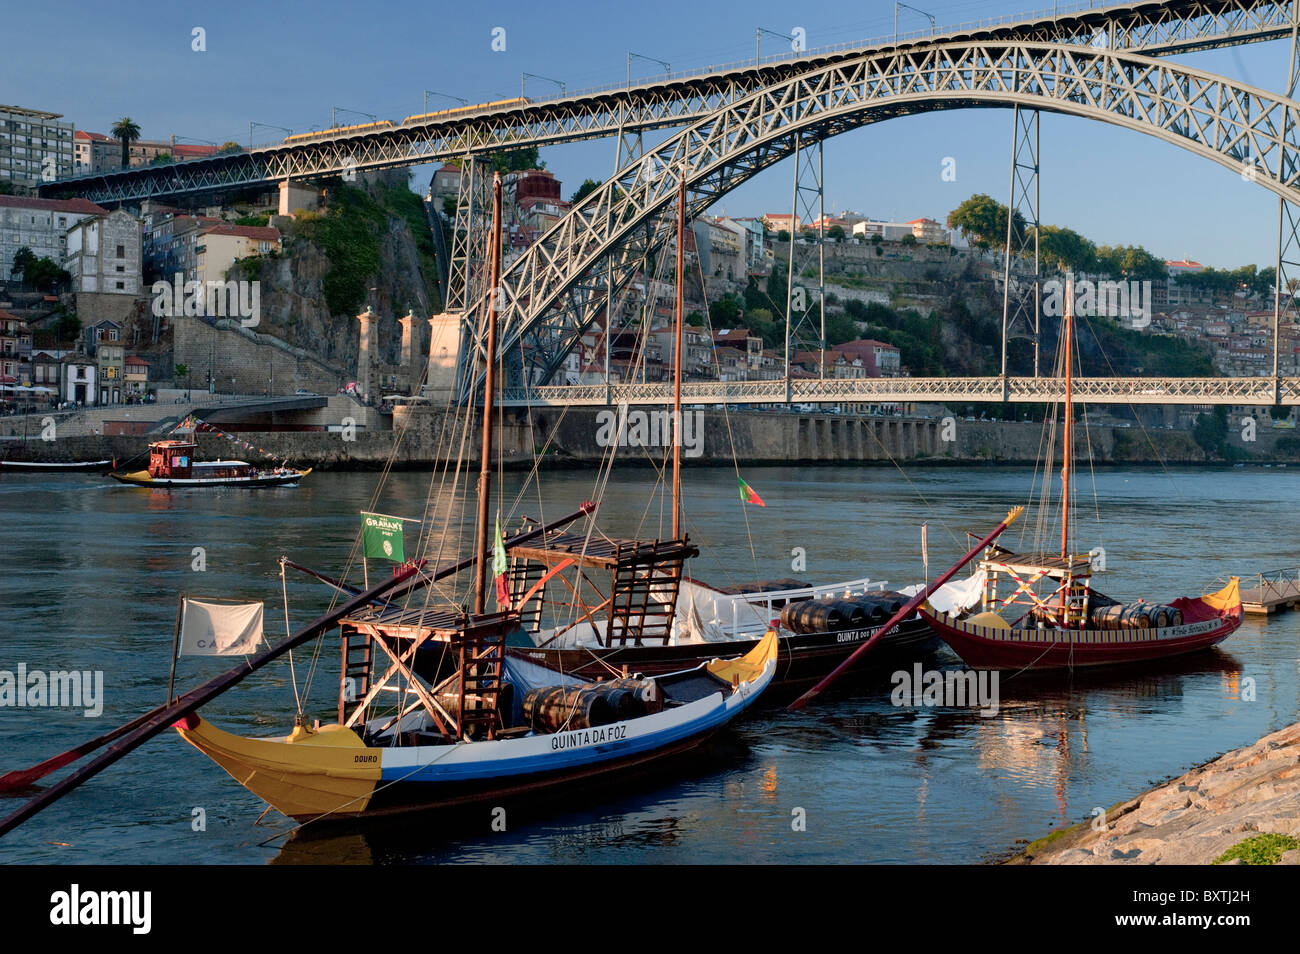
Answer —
1195 818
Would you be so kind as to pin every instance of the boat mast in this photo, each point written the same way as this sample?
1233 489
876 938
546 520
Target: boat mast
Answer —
677 362
489 388
1067 452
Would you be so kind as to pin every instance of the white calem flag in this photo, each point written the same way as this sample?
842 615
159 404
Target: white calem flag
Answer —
220 629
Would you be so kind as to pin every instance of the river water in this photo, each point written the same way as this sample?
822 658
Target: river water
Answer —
92 569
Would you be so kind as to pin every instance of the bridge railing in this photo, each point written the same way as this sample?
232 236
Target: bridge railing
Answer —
1253 392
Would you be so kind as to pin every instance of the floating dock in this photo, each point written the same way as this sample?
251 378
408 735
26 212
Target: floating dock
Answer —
1271 592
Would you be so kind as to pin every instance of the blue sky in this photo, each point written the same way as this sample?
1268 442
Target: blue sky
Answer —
287 63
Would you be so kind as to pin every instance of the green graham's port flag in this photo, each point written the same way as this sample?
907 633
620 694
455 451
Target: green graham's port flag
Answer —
747 494
499 567
381 537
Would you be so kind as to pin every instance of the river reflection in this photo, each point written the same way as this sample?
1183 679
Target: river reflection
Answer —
853 778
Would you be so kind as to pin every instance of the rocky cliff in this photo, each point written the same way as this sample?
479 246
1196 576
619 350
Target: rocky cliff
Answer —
368 246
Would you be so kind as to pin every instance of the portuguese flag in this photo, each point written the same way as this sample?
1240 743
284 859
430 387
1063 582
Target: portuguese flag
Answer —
499 567
747 494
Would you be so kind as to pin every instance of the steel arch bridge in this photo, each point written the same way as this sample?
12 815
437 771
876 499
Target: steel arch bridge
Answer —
547 304
1146 27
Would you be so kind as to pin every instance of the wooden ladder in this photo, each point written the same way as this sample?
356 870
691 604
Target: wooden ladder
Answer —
357 658
482 658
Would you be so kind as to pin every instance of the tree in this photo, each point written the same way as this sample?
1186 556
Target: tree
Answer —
726 311
162 159
835 232
1132 262
587 188
24 259
908 239
229 146
67 328
45 274
783 236
517 160
126 131
1211 432
1066 249
983 221
977 220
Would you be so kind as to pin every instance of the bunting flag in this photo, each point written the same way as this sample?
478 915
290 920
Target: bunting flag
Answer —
499 567
747 494
195 424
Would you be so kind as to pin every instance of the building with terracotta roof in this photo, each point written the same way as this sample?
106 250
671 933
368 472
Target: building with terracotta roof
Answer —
445 182
95 152
879 360
137 376
40 225
15 349
221 245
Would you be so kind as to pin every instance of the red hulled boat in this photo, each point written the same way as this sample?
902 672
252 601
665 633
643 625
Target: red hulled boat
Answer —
1064 623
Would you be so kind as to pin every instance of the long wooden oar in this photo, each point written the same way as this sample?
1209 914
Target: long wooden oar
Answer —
153 722
328 580
19 779
908 609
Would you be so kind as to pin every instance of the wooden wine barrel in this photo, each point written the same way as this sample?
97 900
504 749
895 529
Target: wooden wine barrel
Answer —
649 694
553 708
1107 617
1135 616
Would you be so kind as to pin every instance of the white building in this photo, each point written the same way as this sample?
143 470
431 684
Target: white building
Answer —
40 225
79 376
104 253
888 231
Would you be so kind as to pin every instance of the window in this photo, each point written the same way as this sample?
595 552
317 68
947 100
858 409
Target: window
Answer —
121 252
121 286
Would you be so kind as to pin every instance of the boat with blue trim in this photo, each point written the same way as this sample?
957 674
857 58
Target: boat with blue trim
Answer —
525 735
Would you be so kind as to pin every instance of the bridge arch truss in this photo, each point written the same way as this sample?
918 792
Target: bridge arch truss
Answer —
547 306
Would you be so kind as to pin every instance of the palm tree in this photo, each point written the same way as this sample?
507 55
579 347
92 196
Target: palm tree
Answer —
126 130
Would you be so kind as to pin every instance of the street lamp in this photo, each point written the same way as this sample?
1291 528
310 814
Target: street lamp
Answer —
334 115
523 77
758 37
463 102
897 5
667 68
251 124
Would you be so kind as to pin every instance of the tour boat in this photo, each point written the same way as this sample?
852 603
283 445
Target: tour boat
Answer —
1065 623
172 464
